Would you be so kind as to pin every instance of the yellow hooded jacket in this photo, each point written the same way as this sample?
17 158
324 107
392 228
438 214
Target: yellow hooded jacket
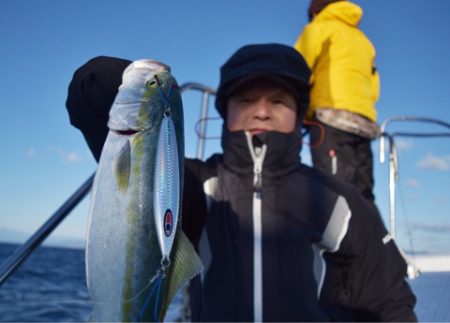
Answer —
342 60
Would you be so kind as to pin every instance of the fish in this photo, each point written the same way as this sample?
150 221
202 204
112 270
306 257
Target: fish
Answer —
137 256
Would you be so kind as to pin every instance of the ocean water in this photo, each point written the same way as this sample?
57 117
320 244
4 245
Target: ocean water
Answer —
432 291
50 286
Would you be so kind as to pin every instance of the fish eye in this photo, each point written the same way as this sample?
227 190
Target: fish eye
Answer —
151 83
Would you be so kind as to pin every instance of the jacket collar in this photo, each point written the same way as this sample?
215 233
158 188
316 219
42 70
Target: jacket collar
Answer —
282 155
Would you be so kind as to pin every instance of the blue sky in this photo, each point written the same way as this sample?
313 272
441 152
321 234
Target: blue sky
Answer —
44 159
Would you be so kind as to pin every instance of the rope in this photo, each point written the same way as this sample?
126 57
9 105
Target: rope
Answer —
408 226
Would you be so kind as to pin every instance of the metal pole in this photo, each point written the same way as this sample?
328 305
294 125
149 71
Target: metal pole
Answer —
207 91
204 115
412 118
389 120
392 228
393 156
22 253
382 148
393 176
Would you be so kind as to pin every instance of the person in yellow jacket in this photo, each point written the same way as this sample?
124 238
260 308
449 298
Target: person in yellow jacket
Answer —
344 89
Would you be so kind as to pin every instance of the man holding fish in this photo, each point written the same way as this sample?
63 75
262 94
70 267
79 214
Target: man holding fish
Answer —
278 240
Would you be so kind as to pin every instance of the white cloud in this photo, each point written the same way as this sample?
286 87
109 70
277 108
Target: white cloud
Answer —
441 200
433 227
403 144
435 163
412 183
68 156
72 156
31 152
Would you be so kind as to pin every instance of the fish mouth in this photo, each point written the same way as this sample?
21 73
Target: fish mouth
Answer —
126 132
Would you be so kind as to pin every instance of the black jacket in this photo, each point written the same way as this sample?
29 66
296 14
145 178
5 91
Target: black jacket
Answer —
288 243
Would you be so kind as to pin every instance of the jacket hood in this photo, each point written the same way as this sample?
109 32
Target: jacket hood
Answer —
282 156
344 11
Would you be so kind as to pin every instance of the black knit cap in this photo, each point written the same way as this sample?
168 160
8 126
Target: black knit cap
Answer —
265 60
91 93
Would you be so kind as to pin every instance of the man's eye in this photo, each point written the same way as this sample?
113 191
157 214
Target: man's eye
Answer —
246 100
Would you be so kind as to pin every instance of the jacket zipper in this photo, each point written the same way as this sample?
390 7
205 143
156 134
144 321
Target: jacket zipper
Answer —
258 155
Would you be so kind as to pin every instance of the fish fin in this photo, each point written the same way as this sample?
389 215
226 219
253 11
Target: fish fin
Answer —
185 265
122 167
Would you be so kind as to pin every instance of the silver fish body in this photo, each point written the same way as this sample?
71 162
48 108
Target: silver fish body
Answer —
136 257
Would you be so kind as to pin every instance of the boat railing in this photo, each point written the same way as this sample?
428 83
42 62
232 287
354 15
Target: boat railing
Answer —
206 93
12 263
393 153
412 268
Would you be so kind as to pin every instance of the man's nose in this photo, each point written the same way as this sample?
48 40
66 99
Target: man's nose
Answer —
262 109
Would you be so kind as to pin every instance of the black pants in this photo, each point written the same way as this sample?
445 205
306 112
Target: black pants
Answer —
345 155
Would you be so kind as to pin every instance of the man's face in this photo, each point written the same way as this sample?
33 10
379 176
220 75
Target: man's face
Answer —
262 105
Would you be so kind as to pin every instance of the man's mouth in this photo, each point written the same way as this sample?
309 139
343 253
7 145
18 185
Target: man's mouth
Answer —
256 131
